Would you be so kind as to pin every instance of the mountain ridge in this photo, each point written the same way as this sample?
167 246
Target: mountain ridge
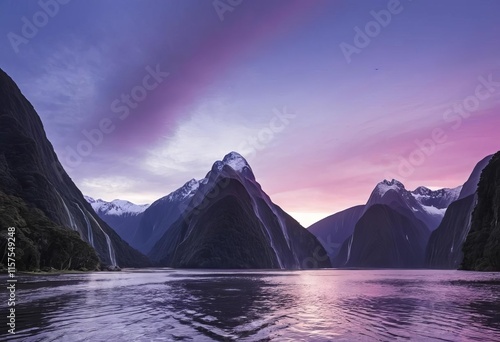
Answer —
229 209
31 171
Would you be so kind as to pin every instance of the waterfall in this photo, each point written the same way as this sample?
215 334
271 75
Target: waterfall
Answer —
285 231
281 223
349 248
70 217
112 256
271 242
90 234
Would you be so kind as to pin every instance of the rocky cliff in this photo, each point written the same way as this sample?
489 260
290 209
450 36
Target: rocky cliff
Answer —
482 245
30 172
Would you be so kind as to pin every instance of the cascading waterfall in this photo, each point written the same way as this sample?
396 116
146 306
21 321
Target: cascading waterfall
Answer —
112 256
281 223
256 209
280 220
285 232
90 234
90 231
70 217
349 248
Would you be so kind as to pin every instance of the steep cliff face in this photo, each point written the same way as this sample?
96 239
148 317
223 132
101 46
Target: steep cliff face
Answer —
333 230
444 250
30 170
482 245
40 243
158 218
231 223
385 238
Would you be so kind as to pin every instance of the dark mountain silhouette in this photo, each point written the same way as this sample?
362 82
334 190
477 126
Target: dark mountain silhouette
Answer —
231 223
41 191
333 230
444 249
482 245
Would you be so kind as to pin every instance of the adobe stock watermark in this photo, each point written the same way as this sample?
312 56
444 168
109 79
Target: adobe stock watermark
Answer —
254 143
122 106
223 6
455 116
363 36
10 252
31 26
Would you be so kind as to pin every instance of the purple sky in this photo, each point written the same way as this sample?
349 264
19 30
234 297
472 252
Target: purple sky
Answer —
345 125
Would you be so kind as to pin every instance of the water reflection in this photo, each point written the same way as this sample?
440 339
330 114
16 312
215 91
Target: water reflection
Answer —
168 305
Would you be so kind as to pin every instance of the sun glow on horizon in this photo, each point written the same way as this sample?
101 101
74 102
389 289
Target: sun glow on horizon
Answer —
306 219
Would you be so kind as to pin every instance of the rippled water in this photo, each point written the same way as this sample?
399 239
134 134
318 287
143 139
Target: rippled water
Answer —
324 305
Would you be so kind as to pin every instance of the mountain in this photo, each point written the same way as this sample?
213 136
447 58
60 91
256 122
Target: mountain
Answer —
396 214
47 208
143 225
230 222
444 250
385 238
428 206
162 214
123 216
482 246
333 230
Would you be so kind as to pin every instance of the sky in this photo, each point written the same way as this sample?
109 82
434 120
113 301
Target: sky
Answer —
323 98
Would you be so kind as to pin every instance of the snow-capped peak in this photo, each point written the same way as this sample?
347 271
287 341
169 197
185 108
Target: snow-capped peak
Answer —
235 161
185 191
422 190
440 198
429 205
116 207
89 199
386 185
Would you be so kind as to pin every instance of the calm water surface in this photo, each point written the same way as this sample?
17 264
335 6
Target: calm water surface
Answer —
324 305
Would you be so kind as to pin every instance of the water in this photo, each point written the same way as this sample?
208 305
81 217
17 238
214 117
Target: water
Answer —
70 217
112 256
90 235
321 305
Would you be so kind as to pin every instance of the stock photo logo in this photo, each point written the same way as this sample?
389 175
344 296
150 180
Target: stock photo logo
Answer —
31 25
454 118
124 105
372 29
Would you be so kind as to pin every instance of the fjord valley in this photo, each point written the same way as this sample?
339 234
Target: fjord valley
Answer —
222 221
226 220
228 170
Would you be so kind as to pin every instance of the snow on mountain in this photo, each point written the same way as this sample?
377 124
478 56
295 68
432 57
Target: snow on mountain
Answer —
235 161
116 207
440 199
386 185
229 222
428 205
186 191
